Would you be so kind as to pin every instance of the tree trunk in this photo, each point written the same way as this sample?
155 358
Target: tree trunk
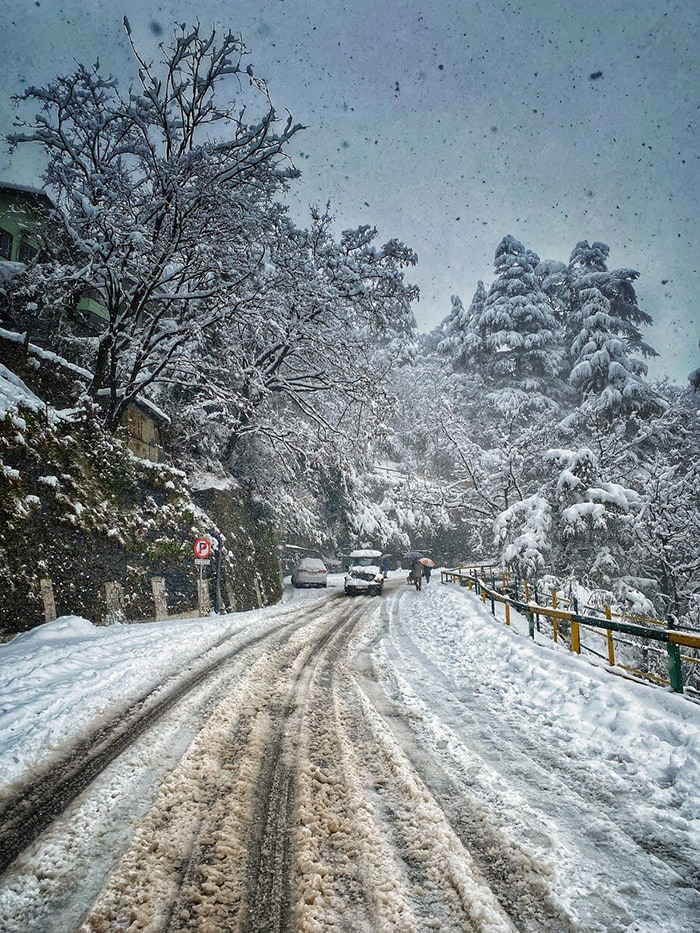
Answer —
101 364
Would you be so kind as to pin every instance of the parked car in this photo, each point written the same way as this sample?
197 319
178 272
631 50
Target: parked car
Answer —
364 574
310 571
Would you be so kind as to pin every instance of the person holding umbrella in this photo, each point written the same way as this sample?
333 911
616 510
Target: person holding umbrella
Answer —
428 565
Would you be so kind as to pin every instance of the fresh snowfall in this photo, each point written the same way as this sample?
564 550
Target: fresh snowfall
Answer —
180 355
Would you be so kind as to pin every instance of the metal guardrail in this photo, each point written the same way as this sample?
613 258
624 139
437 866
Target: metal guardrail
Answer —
635 626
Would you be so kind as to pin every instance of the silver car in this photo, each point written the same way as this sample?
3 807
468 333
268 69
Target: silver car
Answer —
310 571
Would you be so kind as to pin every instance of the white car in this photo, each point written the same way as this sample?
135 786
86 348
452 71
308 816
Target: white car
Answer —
310 571
364 573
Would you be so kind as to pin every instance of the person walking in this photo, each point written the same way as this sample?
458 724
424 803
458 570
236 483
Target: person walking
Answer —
417 572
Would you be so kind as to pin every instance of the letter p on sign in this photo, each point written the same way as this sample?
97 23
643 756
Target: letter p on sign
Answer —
202 548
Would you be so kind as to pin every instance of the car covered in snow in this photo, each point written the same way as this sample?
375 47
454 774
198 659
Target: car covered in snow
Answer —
310 571
364 573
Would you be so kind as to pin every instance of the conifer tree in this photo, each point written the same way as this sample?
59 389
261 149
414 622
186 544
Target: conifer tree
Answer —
603 329
518 329
458 332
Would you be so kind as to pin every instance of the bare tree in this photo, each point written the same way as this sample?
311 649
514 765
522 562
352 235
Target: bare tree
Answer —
165 194
305 340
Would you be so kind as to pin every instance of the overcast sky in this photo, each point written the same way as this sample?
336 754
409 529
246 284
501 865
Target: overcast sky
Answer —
450 123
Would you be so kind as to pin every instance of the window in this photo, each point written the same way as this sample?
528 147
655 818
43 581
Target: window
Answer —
5 244
27 252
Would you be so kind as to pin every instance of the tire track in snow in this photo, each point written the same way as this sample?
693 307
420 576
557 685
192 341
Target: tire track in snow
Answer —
375 852
28 813
364 848
516 878
268 899
232 870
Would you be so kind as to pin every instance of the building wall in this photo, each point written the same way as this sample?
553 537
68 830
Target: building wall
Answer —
144 436
20 215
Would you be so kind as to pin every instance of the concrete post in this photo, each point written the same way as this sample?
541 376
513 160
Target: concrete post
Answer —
114 603
160 598
230 595
46 587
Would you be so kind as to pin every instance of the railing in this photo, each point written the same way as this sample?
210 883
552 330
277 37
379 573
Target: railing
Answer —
568 624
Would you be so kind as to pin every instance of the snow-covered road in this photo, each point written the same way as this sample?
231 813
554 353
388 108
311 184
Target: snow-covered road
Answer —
397 764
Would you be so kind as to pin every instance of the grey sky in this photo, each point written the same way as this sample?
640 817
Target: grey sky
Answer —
449 123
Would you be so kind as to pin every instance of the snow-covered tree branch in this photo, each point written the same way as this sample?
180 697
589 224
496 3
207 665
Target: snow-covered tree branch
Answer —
164 193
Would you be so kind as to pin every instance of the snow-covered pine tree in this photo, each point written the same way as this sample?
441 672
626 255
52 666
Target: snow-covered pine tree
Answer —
458 333
603 330
591 536
520 337
553 277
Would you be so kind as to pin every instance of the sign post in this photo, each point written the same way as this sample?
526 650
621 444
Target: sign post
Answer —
202 554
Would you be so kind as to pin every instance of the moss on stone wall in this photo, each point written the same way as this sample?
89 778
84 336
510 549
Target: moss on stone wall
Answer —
250 570
78 509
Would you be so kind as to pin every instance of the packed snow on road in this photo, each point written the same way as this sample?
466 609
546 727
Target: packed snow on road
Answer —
403 763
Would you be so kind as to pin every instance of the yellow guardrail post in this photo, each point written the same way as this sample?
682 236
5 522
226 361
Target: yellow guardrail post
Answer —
611 649
555 621
507 613
575 631
575 637
611 643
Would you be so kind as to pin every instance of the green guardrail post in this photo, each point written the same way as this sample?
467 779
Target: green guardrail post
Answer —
531 622
675 668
